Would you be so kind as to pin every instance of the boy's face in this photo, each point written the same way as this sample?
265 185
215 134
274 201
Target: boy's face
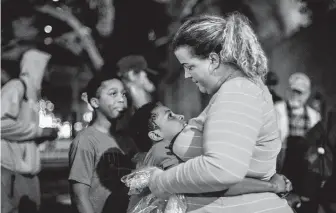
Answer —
112 99
168 123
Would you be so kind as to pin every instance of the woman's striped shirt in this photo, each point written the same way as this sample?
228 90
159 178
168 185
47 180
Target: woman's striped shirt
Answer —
240 139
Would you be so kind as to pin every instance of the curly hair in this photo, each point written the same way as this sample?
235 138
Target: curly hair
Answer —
231 37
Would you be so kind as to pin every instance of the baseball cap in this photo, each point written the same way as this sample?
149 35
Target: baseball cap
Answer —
133 62
299 81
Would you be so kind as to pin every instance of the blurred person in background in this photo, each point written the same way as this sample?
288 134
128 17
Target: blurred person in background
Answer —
97 160
328 191
133 70
21 135
272 81
318 102
319 177
295 119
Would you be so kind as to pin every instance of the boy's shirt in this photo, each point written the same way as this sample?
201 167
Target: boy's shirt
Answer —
159 155
96 160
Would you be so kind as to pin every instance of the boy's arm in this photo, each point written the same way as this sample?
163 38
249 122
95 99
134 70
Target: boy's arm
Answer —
277 184
81 164
80 197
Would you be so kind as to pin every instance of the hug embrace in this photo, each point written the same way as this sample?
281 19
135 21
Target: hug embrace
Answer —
221 159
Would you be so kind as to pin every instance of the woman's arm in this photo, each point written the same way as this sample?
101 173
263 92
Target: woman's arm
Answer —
230 134
277 184
249 185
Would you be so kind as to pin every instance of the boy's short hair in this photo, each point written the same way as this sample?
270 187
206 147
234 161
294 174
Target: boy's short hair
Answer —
139 126
96 81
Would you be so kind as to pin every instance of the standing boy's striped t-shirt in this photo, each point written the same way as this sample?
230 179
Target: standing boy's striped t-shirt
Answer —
240 138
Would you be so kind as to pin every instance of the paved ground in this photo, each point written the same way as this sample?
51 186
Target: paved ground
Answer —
53 180
55 190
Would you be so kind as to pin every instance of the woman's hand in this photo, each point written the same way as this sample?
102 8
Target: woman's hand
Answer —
153 186
281 184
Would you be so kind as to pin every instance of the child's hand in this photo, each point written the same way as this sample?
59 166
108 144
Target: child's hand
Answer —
281 184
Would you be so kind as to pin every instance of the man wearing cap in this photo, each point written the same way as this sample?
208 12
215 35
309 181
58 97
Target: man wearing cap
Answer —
295 118
133 69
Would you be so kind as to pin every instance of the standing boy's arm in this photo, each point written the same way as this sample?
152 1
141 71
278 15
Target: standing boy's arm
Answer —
80 197
81 163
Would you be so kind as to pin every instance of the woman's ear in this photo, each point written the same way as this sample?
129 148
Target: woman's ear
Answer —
214 61
155 135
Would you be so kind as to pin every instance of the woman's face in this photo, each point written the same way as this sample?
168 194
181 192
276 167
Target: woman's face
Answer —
195 68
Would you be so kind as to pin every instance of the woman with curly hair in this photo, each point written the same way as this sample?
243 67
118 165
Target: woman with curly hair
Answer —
223 58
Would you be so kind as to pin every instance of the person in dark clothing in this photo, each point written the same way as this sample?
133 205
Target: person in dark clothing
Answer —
328 192
318 180
272 81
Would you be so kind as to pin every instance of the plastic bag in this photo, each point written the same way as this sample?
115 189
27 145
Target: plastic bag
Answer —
138 182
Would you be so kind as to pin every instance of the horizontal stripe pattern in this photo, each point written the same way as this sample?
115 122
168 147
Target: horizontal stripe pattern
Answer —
239 138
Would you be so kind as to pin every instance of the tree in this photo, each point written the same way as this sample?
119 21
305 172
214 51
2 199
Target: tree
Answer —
22 25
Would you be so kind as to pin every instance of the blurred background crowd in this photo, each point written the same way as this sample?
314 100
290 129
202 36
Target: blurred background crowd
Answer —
83 38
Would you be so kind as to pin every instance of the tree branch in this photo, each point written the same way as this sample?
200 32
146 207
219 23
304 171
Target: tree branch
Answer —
82 31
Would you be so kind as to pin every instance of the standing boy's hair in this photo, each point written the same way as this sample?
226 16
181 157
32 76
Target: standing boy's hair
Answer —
140 125
96 81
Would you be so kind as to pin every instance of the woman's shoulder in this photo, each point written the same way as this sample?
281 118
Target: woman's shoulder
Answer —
240 94
242 85
242 89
